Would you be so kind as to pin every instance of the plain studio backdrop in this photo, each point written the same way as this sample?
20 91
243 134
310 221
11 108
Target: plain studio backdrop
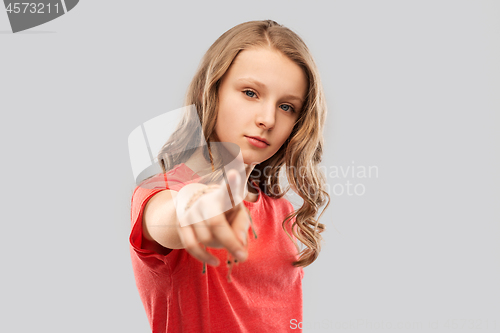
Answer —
412 90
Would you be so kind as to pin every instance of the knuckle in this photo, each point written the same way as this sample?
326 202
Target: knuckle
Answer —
206 239
190 247
217 245
217 221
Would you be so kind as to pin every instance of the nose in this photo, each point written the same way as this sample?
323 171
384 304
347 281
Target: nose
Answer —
266 116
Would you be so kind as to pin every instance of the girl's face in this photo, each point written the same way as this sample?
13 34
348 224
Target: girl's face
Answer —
260 95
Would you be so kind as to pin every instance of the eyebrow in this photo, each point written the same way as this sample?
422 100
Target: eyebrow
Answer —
263 86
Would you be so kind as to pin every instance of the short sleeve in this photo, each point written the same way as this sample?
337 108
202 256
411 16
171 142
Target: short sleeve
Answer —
140 198
174 180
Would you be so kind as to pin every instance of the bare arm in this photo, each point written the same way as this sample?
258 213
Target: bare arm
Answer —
229 229
159 222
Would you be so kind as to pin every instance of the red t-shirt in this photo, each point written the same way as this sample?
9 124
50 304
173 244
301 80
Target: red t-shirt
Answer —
265 294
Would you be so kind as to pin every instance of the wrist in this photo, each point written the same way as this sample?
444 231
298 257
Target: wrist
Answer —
198 194
189 195
186 193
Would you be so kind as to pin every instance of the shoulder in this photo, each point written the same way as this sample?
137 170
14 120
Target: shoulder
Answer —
282 204
285 203
171 180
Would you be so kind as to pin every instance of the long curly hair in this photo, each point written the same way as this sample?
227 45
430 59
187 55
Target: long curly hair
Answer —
299 155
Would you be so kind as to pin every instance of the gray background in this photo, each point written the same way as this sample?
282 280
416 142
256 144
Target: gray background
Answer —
412 88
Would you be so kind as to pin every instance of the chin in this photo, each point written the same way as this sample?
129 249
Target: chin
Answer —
251 160
251 156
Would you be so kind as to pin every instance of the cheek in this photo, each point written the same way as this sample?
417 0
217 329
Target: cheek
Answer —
230 110
227 120
224 118
286 130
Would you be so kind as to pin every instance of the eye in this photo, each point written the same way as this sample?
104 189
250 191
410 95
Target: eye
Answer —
249 93
252 94
288 108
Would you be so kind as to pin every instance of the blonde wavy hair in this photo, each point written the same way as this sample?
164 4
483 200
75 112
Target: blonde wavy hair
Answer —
301 153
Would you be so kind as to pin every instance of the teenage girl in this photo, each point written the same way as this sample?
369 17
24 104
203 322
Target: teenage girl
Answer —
199 265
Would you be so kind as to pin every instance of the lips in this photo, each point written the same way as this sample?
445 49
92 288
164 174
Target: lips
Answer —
260 139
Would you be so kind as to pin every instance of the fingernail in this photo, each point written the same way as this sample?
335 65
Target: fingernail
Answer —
240 255
214 262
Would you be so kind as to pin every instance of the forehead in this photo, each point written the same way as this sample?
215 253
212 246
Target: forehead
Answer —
270 67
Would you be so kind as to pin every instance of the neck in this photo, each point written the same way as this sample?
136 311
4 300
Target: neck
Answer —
253 194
